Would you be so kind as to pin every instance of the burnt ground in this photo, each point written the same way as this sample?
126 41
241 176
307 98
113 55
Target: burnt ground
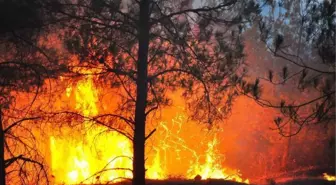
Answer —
306 176
306 181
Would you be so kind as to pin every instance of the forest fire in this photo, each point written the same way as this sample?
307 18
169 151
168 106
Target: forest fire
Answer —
97 157
147 92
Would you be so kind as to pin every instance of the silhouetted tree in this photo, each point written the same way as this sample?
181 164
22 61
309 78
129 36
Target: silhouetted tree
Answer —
147 48
25 63
302 35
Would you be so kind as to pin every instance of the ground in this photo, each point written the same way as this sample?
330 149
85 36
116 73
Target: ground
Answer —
306 181
304 176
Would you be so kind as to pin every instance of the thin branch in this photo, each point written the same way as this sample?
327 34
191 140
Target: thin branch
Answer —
284 80
18 122
115 27
150 78
151 110
128 121
126 90
8 162
269 104
95 119
150 134
194 10
119 72
104 169
296 63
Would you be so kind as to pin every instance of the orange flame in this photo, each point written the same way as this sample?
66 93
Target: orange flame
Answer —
78 159
329 177
212 168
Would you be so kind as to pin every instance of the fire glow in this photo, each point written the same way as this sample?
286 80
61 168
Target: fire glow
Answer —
100 156
329 177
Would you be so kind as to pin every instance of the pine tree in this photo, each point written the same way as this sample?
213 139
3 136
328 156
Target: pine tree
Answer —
148 48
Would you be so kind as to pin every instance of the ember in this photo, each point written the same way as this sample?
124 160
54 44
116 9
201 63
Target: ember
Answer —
329 177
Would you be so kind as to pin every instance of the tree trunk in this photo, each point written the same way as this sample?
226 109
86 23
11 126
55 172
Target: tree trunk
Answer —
141 98
2 153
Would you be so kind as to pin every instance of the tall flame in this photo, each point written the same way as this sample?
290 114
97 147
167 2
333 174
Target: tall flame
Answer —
79 157
212 167
84 156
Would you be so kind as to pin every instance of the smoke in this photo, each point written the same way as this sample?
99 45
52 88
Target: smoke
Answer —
249 140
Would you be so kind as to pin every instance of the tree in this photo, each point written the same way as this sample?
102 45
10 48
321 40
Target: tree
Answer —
25 63
148 48
302 35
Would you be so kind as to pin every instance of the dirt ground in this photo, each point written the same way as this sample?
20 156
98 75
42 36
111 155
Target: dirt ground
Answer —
223 182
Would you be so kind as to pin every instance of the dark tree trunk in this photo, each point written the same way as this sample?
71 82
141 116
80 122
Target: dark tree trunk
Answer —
2 153
141 98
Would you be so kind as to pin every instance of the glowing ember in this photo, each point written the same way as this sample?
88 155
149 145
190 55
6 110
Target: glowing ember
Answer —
329 177
98 155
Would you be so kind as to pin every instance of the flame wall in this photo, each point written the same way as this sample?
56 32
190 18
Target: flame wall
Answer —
178 149
241 147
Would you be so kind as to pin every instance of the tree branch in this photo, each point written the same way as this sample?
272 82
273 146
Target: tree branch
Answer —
95 119
194 10
18 122
150 134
